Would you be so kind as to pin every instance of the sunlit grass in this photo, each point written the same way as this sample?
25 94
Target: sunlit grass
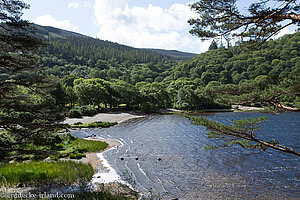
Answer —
91 145
36 173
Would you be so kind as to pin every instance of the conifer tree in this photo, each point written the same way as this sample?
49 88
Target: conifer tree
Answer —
27 111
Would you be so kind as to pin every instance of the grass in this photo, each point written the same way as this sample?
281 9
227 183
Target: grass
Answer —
76 148
36 173
91 145
97 124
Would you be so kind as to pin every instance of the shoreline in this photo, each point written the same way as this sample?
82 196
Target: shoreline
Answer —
118 117
121 117
105 175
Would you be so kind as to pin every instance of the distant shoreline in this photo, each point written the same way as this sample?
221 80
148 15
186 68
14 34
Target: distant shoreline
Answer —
125 116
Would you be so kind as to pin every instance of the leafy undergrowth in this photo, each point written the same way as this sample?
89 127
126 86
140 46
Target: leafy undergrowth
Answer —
37 173
97 124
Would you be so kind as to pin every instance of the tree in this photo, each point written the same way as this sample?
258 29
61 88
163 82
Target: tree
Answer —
242 132
261 22
71 97
93 91
27 111
218 18
213 45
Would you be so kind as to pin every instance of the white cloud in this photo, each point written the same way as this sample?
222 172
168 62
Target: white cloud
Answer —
48 20
73 5
149 27
281 33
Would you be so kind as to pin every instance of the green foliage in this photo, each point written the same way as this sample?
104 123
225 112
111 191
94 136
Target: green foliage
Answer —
235 65
27 109
75 113
241 132
213 45
45 173
87 110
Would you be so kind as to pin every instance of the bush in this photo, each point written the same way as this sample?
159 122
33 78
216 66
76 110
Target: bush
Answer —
60 116
147 107
74 113
87 110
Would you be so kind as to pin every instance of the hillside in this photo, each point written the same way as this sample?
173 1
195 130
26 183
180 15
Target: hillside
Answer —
276 59
177 55
95 72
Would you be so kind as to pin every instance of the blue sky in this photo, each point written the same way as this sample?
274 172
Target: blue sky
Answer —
138 23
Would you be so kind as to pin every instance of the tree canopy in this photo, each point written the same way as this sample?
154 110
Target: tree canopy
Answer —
219 18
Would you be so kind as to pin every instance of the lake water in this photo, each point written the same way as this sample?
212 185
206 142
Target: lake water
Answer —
186 171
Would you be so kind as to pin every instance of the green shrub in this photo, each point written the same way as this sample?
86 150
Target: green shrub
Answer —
74 113
78 123
60 116
87 110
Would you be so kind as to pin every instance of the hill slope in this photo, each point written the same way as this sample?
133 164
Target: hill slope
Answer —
177 55
276 59
48 31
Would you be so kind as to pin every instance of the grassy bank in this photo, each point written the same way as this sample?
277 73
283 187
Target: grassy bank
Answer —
97 124
75 148
37 173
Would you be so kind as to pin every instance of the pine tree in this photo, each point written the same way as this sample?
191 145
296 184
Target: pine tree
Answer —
213 45
26 108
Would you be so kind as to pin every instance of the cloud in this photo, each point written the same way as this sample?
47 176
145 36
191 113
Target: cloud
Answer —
48 20
147 27
281 33
73 5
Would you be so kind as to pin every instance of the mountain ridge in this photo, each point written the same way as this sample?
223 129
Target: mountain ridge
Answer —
61 33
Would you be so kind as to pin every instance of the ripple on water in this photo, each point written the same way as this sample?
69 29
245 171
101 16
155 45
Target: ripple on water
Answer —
186 171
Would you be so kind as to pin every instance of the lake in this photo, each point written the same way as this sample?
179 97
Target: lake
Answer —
165 154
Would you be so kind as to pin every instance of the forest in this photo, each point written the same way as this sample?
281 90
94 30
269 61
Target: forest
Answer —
48 74
95 73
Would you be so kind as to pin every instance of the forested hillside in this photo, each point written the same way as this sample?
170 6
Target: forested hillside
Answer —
177 55
276 59
70 53
100 73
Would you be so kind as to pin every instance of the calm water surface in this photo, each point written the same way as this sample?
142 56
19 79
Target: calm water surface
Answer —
187 171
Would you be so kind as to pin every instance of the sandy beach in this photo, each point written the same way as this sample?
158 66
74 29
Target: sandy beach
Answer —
105 117
248 108
92 158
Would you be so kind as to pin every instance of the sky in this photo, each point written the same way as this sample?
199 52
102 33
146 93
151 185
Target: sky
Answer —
137 23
